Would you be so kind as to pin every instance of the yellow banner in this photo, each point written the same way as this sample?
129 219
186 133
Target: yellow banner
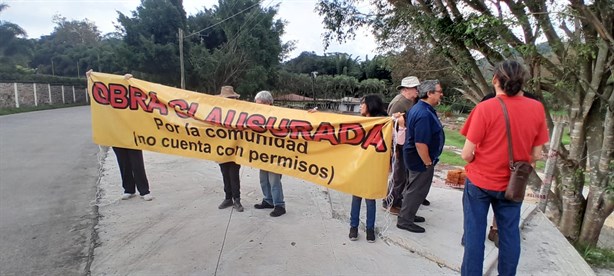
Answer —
347 153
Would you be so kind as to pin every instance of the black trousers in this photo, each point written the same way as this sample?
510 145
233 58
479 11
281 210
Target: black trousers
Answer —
399 178
132 170
232 183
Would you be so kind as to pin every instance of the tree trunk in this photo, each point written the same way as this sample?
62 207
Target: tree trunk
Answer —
571 218
598 208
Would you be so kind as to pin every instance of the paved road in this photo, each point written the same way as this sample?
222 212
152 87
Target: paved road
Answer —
48 174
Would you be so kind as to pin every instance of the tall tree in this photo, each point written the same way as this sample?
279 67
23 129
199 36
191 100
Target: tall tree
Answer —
151 40
70 50
237 42
577 70
15 48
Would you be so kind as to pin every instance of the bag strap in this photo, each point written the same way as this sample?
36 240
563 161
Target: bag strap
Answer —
509 133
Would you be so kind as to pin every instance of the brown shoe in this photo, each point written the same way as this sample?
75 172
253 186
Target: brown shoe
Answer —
493 235
394 210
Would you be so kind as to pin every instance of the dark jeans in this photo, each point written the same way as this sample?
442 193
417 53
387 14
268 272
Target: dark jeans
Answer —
232 184
476 202
132 170
355 212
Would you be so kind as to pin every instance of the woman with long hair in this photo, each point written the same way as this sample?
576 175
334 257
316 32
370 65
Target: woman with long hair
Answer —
488 169
370 106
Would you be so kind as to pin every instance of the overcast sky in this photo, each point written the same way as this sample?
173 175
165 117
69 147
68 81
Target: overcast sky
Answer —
303 24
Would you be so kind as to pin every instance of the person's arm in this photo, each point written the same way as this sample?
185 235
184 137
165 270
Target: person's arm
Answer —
400 116
536 154
468 151
423 152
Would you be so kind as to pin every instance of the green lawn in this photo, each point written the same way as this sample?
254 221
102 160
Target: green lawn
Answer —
454 138
451 158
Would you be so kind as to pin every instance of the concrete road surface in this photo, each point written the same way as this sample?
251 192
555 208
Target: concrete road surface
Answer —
48 173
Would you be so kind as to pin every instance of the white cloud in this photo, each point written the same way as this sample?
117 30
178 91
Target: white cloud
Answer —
304 25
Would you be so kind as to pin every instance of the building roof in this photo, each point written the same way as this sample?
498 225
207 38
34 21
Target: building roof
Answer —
292 98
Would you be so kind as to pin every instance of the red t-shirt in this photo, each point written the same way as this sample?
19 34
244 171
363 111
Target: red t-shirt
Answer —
485 127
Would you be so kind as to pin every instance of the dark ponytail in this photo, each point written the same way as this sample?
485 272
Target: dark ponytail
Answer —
511 76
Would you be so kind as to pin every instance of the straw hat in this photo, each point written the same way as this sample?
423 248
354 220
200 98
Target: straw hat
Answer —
228 92
409 82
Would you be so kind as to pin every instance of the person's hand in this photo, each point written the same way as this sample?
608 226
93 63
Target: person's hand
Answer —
89 73
127 76
400 118
313 110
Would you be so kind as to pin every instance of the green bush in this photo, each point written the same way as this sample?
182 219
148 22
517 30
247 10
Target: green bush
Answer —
37 78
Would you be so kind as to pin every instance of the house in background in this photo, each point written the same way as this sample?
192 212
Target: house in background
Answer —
343 105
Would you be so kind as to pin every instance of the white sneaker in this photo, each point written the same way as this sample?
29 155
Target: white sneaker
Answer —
127 196
147 197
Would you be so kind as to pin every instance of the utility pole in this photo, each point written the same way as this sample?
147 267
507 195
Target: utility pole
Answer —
181 58
314 74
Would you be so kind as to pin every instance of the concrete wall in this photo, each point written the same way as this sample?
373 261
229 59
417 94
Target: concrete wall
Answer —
34 94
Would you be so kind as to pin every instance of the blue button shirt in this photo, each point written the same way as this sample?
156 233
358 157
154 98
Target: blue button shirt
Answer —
422 126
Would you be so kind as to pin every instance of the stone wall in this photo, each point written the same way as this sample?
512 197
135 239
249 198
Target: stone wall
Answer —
34 94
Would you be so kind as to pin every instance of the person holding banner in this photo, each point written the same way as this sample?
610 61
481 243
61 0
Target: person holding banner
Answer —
231 170
270 182
132 171
401 103
423 145
370 106
131 168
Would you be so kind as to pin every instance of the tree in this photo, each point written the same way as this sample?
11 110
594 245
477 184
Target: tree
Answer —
372 86
15 49
238 43
70 50
379 67
577 70
151 40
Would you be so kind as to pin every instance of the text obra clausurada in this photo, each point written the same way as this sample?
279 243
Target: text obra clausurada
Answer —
121 97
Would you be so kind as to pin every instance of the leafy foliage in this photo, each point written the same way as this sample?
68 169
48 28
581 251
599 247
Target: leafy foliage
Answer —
572 69
15 49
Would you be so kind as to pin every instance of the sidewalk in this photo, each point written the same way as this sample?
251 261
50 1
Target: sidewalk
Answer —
181 232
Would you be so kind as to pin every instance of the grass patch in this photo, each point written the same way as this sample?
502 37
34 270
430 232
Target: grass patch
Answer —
14 110
451 158
600 257
565 138
453 138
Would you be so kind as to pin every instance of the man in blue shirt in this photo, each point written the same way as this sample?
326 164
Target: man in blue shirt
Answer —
423 145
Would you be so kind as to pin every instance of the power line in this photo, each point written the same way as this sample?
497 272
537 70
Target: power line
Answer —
222 21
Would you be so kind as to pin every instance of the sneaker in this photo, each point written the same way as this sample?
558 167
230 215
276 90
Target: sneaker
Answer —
411 228
147 197
237 205
263 205
225 204
419 219
353 233
126 196
278 211
370 235
426 202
